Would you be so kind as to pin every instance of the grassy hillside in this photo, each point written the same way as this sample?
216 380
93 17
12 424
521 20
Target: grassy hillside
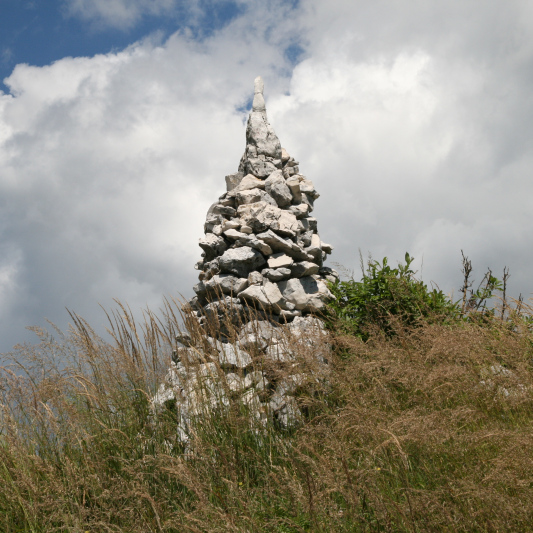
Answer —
424 423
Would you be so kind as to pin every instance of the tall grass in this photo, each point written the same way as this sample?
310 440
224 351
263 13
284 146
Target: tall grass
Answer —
427 430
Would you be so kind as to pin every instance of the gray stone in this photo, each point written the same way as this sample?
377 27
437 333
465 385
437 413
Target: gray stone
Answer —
262 328
210 269
253 342
233 180
280 244
260 216
307 187
280 260
255 278
246 229
327 271
306 327
252 196
285 223
309 201
259 167
259 102
267 297
284 155
232 356
227 309
305 268
299 211
277 188
249 196
276 274
224 210
253 242
212 245
288 172
211 221
307 294
248 182
257 380
227 284
327 248
315 249
293 183
231 224
241 261
279 354
233 234
235 382
260 134
289 415
310 223
288 315
225 201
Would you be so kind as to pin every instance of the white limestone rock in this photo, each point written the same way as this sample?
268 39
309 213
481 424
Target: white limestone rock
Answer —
279 354
327 248
232 356
252 242
234 223
304 268
263 329
277 188
257 380
261 216
315 249
307 187
251 196
226 283
290 415
248 182
280 260
241 261
233 180
267 297
299 211
307 294
280 244
212 245
276 274
235 382
255 278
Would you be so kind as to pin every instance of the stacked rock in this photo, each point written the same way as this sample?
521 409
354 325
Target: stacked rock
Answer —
261 251
261 244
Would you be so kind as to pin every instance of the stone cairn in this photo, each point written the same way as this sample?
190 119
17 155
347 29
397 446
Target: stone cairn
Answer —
261 253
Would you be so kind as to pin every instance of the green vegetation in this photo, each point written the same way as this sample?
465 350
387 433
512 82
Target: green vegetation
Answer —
385 296
423 424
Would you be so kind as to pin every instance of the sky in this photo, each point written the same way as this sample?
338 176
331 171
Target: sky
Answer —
120 118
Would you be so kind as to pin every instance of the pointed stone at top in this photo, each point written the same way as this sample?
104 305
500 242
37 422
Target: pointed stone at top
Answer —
259 101
263 149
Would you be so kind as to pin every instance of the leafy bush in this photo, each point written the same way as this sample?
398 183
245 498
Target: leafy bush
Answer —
386 296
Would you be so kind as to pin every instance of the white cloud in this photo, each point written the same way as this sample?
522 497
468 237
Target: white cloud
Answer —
119 13
108 165
414 124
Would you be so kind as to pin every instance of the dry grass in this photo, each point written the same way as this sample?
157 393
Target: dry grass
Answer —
429 431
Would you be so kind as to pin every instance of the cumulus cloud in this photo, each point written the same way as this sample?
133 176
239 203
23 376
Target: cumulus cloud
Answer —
108 165
121 14
413 121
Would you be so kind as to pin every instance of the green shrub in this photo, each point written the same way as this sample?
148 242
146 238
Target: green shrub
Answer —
386 296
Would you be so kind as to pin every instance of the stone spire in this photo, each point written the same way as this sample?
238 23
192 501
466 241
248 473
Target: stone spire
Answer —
261 244
261 249
263 149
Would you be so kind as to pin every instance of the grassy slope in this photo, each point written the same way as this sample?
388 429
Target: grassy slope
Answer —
429 431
